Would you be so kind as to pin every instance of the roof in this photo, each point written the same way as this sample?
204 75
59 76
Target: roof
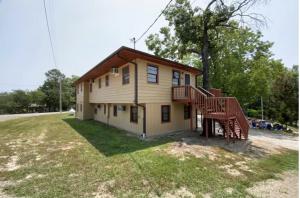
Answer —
124 55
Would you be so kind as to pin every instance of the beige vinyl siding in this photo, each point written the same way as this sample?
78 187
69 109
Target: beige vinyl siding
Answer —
82 98
177 122
115 92
122 120
160 92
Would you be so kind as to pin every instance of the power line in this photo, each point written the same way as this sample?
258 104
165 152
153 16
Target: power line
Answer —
139 38
54 59
50 39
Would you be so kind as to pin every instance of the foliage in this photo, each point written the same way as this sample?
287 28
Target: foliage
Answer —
283 101
46 96
240 61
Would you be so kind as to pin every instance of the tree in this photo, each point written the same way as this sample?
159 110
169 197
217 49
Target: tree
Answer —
283 103
195 29
51 89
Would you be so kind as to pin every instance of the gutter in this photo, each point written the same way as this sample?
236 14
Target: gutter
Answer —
136 92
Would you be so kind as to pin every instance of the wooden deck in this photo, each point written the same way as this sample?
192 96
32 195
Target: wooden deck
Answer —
225 110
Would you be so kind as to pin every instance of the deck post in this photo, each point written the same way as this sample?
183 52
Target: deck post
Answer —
227 130
214 127
191 118
206 128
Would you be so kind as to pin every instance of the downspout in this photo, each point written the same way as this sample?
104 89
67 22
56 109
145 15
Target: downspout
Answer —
136 92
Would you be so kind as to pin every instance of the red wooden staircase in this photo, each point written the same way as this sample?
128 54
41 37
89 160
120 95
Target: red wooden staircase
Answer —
224 110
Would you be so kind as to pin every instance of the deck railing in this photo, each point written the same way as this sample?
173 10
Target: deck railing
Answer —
226 106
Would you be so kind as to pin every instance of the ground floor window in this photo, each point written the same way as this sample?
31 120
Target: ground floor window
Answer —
95 110
104 109
115 110
165 113
80 107
187 112
134 114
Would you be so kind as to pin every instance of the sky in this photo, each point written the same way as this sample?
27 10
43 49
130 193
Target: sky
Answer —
85 32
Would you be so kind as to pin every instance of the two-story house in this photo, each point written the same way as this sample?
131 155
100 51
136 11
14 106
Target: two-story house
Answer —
143 94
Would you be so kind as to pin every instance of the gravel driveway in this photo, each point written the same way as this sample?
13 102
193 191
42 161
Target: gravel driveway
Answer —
285 141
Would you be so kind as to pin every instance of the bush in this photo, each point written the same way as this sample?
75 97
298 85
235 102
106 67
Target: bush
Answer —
253 113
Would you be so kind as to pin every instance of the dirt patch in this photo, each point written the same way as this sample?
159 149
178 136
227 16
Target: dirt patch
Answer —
231 170
11 164
3 185
258 145
181 192
194 147
285 187
103 190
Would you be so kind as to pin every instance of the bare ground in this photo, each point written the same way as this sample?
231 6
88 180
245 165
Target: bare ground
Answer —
285 187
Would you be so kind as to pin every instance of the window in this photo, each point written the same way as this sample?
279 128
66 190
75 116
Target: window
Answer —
165 113
77 107
107 80
187 112
115 110
134 114
91 87
125 75
99 106
95 110
104 109
99 83
81 87
81 107
152 74
176 78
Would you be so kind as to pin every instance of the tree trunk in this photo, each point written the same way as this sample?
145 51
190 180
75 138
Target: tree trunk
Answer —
205 63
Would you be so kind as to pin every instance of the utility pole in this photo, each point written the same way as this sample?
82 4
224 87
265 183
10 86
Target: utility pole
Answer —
262 108
60 99
134 41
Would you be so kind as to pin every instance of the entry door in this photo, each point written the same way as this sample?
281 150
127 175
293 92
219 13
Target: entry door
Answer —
187 81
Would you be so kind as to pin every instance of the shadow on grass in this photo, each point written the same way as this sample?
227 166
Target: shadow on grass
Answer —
109 140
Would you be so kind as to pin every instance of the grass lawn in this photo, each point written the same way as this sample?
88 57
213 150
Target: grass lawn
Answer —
59 156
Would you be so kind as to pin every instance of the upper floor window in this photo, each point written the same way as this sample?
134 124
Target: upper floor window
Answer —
176 78
134 114
107 80
99 83
152 74
125 75
165 113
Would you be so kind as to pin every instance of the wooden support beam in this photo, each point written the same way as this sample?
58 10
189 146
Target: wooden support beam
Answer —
214 127
227 130
206 128
191 116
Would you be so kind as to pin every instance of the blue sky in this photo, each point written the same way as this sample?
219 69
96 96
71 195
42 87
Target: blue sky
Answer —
85 32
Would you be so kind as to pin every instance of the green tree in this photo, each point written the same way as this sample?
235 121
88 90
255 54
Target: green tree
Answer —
51 89
283 103
196 29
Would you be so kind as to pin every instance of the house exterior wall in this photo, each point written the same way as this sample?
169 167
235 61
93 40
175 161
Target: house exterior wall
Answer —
177 122
122 120
160 92
115 92
153 96
84 109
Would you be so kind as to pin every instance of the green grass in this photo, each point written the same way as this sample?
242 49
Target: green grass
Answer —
78 158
